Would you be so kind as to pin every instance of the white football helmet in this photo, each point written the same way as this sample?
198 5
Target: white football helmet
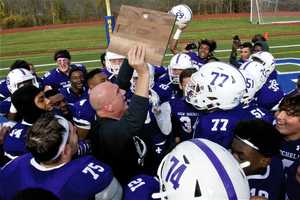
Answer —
255 77
179 61
135 77
109 59
183 13
266 59
199 169
17 77
216 85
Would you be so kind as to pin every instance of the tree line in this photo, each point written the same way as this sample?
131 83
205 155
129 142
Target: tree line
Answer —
25 13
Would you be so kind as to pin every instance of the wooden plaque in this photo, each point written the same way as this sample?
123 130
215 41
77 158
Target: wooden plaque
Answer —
142 26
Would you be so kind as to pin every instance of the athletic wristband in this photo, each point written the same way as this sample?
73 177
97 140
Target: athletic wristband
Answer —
177 34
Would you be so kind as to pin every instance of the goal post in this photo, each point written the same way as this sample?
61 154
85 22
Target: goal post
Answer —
274 11
109 22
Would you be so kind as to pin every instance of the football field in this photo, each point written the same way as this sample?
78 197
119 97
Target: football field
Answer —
86 41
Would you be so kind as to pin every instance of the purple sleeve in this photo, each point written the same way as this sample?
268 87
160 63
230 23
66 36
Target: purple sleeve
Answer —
141 187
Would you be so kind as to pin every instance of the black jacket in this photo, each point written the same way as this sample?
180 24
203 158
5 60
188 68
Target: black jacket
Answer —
117 142
113 140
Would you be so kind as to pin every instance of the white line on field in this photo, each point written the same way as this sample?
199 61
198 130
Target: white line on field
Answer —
293 72
221 50
287 63
272 47
47 55
167 55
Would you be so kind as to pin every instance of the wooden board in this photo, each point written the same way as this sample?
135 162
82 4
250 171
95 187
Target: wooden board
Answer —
142 26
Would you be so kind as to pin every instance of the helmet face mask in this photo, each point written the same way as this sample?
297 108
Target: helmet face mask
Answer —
134 78
133 81
255 76
178 63
193 95
216 85
18 78
113 66
200 169
113 62
266 59
174 75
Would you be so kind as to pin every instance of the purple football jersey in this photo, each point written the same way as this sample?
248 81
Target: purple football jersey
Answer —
290 152
196 60
218 126
79 179
14 142
4 92
84 114
270 94
184 116
259 113
5 106
165 84
292 185
56 79
269 183
71 97
141 187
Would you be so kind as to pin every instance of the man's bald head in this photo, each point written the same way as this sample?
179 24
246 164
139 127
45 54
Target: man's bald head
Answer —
108 100
101 94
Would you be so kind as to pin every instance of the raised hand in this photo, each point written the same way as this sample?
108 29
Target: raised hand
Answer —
136 58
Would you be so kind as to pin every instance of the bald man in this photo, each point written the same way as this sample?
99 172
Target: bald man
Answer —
116 133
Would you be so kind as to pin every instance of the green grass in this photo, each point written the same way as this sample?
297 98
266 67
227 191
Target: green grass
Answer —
87 42
274 18
288 68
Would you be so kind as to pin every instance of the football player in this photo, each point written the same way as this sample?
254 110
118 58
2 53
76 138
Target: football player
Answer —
245 52
77 90
4 91
216 90
84 114
113 63
52 142
271 93
16 79
205 52
57 104
30 103
158 143
59 76
257 142
179 116
201 169
170 80
255 77
141 187
288 124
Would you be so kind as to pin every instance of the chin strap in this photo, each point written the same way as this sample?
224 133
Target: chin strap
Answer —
245 164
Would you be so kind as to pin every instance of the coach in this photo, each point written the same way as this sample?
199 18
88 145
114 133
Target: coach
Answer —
116 133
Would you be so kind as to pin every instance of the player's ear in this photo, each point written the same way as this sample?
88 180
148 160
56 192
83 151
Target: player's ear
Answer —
180 86
66 154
